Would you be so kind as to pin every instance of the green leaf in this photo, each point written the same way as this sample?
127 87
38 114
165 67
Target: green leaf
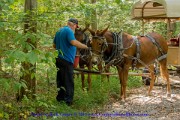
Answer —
6 85
32 75
49 54
1 24
9 60
21 56
23 85
17 86
32 57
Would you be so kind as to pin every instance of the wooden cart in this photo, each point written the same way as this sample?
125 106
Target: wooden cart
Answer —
164 11
173 57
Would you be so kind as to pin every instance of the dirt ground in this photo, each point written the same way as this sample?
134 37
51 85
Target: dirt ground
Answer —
139 106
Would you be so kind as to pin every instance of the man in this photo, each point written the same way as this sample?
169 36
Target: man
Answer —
66 43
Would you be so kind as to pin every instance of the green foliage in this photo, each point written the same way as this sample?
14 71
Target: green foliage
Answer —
46 107
134 82
5 84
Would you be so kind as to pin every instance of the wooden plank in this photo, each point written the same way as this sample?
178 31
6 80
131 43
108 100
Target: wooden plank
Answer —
114 74
87 71
173 55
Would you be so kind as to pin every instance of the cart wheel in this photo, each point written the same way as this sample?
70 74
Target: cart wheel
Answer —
146 80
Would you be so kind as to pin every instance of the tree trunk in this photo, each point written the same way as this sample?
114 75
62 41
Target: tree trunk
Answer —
94 17
29 69
1 44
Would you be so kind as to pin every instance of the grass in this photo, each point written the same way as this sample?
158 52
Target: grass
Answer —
46 107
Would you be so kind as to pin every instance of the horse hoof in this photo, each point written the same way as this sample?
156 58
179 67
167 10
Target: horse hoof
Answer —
149 94
168 95
123 100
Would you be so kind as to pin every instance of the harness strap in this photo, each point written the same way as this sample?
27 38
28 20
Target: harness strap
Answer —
155 43
115 48
163 55
137 51
120 48
84 54
121 42
117 51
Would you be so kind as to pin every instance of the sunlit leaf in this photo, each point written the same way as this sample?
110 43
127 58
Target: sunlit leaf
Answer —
21 56
32 57
23 85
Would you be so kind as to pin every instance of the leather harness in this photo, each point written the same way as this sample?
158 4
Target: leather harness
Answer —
117 56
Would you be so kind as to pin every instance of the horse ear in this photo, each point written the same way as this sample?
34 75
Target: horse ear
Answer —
92 32
103 32
87 26
84 30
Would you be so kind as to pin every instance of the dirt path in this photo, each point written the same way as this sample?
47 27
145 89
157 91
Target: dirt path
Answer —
138 106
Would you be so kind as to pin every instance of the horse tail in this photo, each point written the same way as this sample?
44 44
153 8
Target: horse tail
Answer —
163 69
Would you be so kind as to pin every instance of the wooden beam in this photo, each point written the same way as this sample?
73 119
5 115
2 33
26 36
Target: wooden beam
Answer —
114 74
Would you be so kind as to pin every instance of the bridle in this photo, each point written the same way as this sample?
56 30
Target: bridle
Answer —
104 45
99 53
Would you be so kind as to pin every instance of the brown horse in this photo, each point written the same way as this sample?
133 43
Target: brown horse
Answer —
126 51
85 56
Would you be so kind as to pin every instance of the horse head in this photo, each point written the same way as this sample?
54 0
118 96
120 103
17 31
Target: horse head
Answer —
99 45
79 34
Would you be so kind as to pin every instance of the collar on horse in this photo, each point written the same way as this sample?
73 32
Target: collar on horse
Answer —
118 50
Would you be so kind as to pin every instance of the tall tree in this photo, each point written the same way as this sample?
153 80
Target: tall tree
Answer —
29 69
93 17
1 44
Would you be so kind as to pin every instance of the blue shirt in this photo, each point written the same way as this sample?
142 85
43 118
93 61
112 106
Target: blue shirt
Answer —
62 41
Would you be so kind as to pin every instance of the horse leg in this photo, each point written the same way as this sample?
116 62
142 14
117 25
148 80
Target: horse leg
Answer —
89 76
165 75
107 71
151 71
82 78
123 76
101 69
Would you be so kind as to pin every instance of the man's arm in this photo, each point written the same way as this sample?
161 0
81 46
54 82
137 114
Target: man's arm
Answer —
78 44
